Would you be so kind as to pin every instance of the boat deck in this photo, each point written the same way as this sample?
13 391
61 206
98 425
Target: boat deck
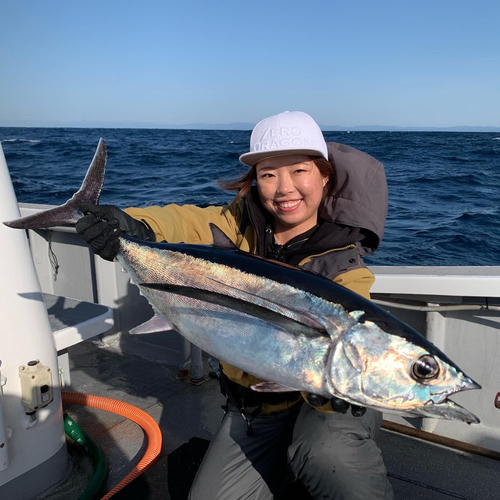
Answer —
140 372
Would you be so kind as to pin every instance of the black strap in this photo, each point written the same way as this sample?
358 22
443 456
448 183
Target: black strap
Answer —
246 412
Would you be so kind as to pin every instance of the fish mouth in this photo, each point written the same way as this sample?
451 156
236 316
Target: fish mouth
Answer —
439 406
446 409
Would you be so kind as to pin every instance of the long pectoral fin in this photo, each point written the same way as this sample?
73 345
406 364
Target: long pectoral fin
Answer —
239 305
299 316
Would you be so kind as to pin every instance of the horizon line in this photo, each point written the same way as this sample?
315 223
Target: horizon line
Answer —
241 126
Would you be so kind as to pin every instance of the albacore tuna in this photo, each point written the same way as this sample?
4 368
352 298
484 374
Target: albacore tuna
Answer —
293 328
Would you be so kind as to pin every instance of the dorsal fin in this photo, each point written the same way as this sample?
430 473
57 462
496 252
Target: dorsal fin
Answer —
220 239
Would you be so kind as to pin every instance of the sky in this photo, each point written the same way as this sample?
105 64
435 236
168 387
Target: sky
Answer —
345 62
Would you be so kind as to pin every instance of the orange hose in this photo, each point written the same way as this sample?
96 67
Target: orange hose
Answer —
138 416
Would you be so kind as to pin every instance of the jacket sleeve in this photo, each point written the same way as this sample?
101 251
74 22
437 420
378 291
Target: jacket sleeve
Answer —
358 280
188 223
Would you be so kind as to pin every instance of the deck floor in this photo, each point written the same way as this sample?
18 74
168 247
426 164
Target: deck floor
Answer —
189 415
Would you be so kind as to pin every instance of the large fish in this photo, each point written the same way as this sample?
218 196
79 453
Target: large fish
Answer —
296 329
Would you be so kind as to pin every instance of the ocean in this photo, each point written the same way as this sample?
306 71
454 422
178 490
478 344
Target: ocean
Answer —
444 187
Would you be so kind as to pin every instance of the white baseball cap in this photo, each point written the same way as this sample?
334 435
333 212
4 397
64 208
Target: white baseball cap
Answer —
290 132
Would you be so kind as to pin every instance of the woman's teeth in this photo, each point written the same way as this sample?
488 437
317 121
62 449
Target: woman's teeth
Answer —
289 204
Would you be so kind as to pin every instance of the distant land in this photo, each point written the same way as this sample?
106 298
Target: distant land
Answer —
233 126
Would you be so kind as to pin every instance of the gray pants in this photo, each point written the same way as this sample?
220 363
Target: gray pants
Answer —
335 456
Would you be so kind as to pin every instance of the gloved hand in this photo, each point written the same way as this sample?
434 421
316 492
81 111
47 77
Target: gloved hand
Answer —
102 224
337 404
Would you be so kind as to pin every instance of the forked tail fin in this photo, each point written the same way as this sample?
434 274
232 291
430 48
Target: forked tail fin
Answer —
68 214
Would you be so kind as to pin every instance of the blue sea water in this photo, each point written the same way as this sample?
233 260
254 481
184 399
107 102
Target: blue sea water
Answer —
444 188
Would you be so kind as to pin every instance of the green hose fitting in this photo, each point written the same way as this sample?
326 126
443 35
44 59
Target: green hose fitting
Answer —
99 459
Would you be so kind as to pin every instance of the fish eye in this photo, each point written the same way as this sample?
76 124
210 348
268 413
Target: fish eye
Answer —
425 368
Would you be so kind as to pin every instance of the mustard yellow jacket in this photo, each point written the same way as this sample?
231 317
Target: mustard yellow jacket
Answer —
190 224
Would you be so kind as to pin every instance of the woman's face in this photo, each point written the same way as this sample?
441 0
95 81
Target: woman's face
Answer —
290 189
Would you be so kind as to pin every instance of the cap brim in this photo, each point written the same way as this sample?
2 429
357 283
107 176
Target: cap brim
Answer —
250 159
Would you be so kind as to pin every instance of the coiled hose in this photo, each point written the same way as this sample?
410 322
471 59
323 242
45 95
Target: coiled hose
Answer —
99 459
138 416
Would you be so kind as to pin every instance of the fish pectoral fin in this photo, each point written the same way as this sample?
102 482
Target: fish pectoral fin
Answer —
272 387
220 239
156 324
300 316
240 305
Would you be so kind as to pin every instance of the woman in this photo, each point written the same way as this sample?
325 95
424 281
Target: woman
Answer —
309 204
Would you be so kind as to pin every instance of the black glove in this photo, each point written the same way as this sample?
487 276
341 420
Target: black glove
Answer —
338 405
102 224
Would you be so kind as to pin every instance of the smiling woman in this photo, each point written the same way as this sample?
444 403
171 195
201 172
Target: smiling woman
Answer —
291 189
288 208
291 184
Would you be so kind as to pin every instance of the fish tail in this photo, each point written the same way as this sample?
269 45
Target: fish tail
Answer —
68 214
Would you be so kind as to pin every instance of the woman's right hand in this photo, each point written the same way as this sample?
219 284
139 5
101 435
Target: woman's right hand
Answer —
102 225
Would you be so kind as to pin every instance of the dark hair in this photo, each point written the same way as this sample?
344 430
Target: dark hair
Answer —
244 183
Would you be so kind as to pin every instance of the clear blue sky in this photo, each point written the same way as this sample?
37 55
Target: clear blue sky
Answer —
349 62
